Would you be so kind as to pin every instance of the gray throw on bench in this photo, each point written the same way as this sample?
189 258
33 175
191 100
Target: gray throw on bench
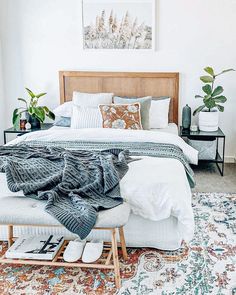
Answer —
75 183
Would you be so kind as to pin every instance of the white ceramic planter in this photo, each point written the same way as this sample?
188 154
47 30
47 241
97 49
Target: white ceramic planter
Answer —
209 121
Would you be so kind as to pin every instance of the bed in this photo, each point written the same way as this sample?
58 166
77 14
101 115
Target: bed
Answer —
164 225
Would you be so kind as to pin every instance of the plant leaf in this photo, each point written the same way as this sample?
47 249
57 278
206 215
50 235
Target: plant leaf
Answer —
32 95
34 102
206 79
199 109
209 103
40 94
51 115
207 89
198 96
225 71
209 71
220 108
46 109
217 91
39 114
207 96
22 99
30 110
220 99
15 116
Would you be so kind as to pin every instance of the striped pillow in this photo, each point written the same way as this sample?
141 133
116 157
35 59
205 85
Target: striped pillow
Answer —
85 117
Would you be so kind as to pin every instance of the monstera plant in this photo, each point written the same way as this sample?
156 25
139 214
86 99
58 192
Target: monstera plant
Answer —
213 99
35 114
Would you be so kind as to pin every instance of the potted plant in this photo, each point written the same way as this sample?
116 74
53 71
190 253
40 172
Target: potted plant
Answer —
212 100
34 113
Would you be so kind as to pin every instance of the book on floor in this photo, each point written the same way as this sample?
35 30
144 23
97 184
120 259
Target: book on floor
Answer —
42 247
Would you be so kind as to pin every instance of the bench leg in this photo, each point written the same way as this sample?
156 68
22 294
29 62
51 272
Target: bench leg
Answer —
123 244
10 235
115 258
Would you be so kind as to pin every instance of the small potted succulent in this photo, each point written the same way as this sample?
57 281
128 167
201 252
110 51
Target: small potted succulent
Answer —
212 101
34 113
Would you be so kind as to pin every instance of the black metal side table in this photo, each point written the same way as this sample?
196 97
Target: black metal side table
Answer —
204 136
19 132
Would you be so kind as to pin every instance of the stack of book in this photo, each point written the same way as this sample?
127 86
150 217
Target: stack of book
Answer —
43 247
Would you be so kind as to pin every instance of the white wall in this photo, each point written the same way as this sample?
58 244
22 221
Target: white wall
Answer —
42 37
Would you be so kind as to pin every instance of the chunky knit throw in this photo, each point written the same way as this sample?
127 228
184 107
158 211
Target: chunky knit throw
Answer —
75 183
159 150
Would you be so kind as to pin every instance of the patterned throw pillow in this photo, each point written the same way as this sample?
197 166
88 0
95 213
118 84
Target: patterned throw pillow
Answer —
126 116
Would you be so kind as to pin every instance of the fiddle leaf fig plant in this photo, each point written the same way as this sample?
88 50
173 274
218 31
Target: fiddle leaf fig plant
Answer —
212 97
32 108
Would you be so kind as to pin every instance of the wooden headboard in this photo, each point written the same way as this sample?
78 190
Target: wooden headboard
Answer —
123 84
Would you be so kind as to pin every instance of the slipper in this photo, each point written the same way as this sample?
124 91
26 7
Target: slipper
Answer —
92 251
74 250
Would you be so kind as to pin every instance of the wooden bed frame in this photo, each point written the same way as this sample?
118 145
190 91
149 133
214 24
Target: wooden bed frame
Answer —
123 84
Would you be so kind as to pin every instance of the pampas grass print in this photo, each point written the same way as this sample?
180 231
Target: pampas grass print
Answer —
108 33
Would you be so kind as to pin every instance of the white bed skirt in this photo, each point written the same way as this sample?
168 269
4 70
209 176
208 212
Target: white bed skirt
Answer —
139 232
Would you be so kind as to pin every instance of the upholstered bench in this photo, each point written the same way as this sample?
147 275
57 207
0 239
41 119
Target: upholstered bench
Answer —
21 211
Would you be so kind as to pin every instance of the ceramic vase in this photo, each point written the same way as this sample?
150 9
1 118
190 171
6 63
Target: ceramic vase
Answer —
186 117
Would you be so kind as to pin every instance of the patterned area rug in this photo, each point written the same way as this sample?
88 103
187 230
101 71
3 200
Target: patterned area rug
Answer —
206 266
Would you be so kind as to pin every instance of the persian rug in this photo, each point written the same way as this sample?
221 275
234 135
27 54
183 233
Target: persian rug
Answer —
207 265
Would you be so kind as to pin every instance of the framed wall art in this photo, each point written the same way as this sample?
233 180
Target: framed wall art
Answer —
119 24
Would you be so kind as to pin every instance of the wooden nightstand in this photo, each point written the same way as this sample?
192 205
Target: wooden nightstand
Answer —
205 136
19 132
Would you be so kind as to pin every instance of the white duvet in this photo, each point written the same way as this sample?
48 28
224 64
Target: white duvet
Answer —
156 188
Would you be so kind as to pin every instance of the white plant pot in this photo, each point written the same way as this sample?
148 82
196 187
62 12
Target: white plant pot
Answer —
209 121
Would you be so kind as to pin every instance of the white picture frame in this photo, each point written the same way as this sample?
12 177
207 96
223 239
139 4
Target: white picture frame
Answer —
122 25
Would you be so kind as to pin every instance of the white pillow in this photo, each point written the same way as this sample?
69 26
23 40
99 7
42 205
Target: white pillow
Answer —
64 110
91 99
84 117
159 113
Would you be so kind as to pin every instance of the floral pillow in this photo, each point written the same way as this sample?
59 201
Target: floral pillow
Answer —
121 116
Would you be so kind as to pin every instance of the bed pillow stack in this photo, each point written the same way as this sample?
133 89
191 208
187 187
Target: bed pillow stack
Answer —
154 110
96 110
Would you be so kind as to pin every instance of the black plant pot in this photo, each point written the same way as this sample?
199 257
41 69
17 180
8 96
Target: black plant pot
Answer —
35 123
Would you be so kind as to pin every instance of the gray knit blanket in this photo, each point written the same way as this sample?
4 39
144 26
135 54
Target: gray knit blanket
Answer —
75 183
160 150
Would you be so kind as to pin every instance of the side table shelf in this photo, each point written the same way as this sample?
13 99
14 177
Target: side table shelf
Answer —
204 136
